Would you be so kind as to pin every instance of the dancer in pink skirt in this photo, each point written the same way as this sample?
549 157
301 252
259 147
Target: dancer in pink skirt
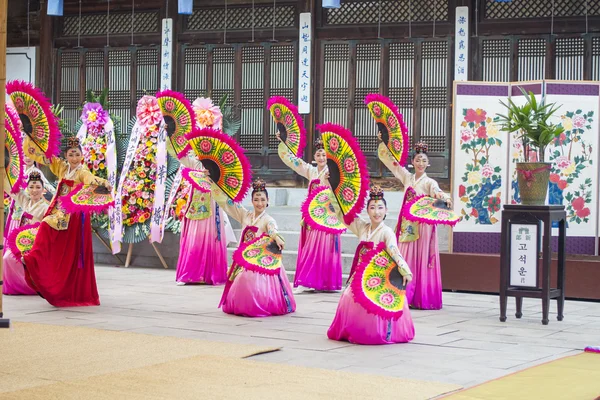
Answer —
33 207
352 322
418 242
319 263
250 293
203 243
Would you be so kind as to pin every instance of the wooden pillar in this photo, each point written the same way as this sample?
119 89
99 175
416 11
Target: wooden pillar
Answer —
46 71
4 323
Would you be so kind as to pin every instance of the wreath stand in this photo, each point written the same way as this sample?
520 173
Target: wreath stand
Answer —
130 250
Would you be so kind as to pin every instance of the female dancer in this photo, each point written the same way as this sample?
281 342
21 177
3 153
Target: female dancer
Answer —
13 219
421 251
60 266
203 244
319 264
250 293
33 207
352 322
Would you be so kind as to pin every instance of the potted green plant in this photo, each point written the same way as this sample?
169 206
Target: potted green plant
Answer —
531 122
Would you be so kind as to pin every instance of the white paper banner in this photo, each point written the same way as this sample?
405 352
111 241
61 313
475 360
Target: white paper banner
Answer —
304 62
461 44
166 54
157 223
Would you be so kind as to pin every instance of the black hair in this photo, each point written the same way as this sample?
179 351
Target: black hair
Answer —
261 191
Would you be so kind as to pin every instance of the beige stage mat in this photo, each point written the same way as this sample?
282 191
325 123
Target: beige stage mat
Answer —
54 362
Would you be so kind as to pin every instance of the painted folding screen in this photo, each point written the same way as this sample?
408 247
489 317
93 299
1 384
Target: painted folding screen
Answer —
479 176
574 174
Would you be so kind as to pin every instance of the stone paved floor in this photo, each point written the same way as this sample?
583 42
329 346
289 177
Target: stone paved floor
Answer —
463 344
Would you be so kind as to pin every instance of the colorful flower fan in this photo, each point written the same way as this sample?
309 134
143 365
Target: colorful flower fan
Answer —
197 179
39 123
11 117
289 124
21 240
88 199
227 165
429 210
260 255
13 157
378 285
348 173
318 212
390 123
179 119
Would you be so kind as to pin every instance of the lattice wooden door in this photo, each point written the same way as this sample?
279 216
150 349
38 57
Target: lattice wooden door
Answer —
415 74
249 74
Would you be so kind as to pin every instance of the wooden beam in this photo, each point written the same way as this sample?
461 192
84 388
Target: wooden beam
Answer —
46 71
3 19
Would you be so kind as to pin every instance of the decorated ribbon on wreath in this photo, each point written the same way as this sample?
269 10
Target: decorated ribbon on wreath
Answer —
260 254
90 113
378 285
21 240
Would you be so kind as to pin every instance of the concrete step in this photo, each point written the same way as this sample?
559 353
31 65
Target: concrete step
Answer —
295 197
348 240
290 258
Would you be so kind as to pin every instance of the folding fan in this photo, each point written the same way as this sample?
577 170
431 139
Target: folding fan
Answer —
406 230
88 199
318 212
378 285
289 124
39 123
260 255
390 123
179 119
11 117
227 165
197 179
21 240
348 174
13 158
429 210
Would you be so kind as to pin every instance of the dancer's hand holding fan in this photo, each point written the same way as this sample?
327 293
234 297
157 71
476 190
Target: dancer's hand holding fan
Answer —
348 173
38 122
225 161
390 124
289 124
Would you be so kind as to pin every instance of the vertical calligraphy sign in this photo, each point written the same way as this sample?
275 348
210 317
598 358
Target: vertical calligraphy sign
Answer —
304 61
166 54
461 44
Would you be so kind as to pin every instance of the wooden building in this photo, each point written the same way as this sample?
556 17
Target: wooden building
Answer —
249 50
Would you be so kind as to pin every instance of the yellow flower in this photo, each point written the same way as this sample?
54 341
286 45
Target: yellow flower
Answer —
142 219
474 178
140 201
93 157
101 166
492 130
567 123
569 170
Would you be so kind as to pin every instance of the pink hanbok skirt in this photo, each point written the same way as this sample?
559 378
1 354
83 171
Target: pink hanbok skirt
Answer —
354 324
425 290
14 276
202 256
319 263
